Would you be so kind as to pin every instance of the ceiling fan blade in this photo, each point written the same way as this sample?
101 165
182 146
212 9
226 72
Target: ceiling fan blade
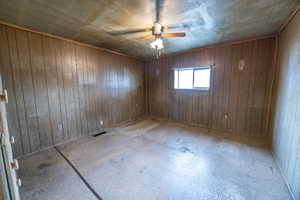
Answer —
174 34
177 26
158 9
147 37
116 33
186 25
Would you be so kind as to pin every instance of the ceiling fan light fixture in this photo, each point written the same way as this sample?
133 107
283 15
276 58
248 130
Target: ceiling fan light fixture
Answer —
157 44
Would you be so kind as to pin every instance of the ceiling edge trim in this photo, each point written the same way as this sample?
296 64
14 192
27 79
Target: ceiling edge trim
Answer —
64 39
288 20
219 45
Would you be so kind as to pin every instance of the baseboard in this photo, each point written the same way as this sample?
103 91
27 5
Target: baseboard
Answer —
261 142
283 175
107 129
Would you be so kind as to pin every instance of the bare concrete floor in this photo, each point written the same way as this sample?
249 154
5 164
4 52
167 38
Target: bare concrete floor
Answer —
153 159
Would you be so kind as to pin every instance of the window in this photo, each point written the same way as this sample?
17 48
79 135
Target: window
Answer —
192 78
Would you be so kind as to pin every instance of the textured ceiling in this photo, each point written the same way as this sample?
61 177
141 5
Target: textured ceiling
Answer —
89 21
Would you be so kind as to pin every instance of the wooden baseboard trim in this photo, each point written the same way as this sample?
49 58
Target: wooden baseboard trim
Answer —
288 20
219 45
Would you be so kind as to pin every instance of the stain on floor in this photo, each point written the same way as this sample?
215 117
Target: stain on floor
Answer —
153 159
43 166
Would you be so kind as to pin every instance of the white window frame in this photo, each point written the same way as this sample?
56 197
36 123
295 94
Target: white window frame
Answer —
194 69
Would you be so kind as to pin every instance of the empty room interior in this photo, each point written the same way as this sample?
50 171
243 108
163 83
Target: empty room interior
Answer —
150 99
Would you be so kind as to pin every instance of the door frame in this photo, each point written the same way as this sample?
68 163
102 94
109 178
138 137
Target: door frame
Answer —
9 181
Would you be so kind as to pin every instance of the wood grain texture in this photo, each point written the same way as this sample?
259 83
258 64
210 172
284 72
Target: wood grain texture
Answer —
242 95
60 91
62 38
286 123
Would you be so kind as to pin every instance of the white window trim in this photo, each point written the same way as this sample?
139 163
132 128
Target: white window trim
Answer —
194 69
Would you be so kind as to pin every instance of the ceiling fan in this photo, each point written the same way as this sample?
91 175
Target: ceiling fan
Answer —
157 30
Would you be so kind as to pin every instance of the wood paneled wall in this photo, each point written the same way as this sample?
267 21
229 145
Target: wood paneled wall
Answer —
286 124
241 95
60 91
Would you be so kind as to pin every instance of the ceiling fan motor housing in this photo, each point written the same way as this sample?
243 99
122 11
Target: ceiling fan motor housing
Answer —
157 29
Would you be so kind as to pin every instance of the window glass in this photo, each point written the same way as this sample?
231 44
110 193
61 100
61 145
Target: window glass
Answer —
185 79
192 78
202 78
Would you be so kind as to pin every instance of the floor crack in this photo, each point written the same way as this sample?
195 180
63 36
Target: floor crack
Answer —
79 174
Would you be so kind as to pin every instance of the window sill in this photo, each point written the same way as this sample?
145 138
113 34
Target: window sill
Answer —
194 89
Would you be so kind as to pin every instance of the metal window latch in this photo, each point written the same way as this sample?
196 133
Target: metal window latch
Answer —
3 96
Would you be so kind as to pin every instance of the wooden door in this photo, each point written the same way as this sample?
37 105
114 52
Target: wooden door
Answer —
9 182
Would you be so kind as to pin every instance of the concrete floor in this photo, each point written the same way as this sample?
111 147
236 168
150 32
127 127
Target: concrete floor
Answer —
152 159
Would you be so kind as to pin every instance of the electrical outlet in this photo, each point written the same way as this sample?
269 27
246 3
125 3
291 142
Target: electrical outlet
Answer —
226 116
59 127
242 65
